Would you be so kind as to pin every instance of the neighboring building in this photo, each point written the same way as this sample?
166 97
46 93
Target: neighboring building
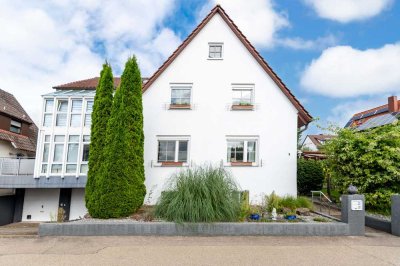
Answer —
312 146
315 142
378 116
18 133
215 100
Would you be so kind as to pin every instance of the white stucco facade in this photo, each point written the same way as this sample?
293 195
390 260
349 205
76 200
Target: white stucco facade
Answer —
211 121
40 204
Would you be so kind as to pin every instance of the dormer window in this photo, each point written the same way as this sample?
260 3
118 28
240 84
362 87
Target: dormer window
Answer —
215 50
15 127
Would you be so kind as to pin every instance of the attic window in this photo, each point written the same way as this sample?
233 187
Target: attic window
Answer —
15 127
215 50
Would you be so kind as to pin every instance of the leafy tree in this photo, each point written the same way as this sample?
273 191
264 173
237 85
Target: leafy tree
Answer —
100 115
370 160
310 176
122 179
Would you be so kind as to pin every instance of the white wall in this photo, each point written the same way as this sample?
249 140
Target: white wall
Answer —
274 121
41 204
78 208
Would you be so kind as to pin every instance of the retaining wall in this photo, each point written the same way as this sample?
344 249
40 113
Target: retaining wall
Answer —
195 229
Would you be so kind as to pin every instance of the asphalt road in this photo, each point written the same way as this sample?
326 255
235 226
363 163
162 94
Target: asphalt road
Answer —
375 249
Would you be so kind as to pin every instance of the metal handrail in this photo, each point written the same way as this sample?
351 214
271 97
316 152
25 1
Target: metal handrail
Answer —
327 203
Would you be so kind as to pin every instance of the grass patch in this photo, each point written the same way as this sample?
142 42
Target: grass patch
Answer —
321 220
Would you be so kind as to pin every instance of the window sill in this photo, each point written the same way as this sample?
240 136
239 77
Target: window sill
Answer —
171 164
242 107
215 58
241 164
180 107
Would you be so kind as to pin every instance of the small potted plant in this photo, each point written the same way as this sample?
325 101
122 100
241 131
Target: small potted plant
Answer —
291 215
255 213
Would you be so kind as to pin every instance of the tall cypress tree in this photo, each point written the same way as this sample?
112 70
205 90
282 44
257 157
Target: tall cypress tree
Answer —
122 179
101 112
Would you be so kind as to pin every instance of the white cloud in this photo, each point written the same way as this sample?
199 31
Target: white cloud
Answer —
342 113
343 71
348 10
53 42
301 44
257 19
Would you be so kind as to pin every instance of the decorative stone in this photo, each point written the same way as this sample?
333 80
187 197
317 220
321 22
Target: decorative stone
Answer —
352 190
303 211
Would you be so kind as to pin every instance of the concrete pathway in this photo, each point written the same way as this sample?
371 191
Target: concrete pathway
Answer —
376 248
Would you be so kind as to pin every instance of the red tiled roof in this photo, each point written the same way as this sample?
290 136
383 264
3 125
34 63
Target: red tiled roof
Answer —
11 107
304 116
20 142
88 84
361 117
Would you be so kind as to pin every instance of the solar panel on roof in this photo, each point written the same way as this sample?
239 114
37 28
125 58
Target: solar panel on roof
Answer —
379 121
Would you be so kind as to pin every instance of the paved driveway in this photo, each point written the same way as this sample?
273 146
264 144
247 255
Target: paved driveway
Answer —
375 249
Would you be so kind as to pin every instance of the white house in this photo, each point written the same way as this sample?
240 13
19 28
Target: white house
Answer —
215 100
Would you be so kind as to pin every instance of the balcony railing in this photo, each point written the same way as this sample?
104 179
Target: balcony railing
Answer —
16 166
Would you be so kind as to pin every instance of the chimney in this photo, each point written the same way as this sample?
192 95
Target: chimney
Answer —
393 104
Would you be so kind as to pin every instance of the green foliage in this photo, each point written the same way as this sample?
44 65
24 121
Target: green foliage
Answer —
272 201
202 194
370 160
100 115
287 202
122 188
310 176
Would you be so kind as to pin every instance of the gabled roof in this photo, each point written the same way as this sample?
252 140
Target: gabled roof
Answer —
303 118
88 84
11 107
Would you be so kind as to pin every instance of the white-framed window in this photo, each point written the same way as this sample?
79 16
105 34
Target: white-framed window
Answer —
48 112
72 154
58 154
242 150
45 154
173 150
85 154
215 50
181 94
76 113
88 113
62 110
15 126
242 95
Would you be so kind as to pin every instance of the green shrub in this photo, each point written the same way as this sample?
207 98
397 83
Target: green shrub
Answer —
369 160
310 176
201 194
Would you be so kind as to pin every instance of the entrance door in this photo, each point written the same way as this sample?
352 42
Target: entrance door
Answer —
65 201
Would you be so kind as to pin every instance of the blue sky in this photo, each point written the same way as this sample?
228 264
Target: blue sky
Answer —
337 56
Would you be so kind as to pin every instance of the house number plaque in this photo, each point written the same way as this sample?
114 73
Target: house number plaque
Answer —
356 205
